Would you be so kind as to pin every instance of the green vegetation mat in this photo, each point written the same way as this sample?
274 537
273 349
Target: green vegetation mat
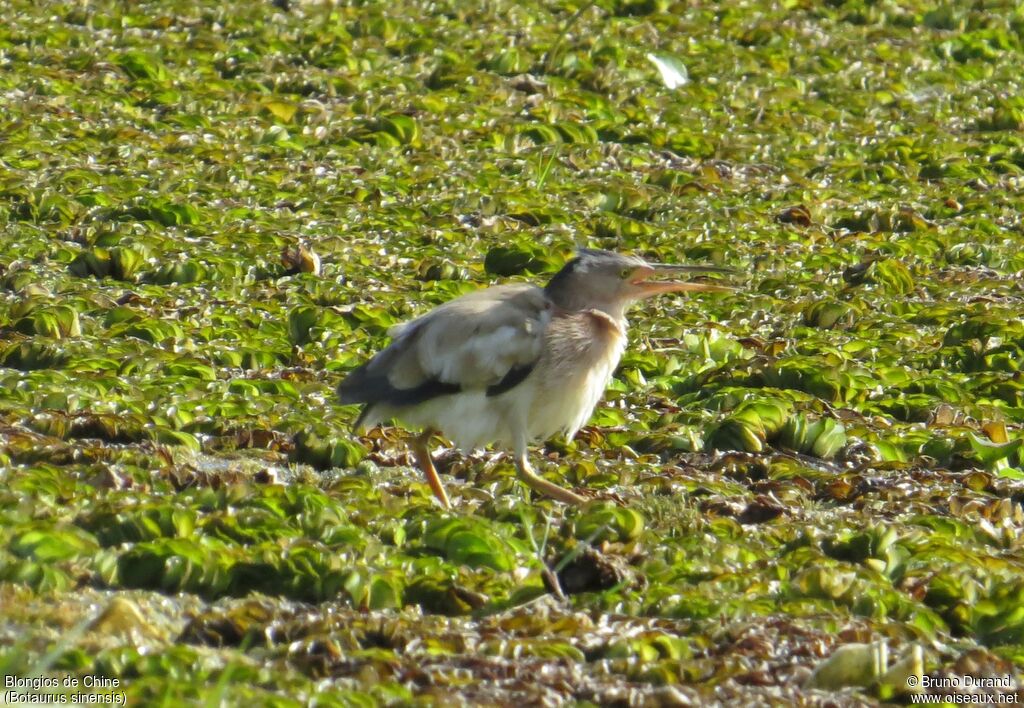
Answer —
830 455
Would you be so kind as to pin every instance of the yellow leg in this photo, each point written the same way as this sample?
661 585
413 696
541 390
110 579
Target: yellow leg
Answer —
525 473
422 453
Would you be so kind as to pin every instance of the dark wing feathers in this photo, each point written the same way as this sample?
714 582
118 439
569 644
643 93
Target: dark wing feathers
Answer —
515 376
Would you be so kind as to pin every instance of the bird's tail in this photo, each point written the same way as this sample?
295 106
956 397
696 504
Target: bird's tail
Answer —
357 387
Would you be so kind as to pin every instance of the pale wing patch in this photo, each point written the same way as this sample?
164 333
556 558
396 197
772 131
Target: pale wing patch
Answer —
474 340
477 360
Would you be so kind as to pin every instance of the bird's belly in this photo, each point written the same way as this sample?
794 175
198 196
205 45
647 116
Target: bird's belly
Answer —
470 419
563 405
545 405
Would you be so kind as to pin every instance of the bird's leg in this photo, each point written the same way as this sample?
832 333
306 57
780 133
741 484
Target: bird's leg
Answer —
530 478
422 453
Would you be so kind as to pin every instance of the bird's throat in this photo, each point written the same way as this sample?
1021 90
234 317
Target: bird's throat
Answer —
616 311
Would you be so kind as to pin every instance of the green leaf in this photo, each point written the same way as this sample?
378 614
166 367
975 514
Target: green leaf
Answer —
281 110
52 544
993 456
143 66
300 321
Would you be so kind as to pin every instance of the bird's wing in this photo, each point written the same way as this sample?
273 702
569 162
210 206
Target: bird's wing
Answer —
488 339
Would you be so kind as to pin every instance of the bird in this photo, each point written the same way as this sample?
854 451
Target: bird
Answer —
512 364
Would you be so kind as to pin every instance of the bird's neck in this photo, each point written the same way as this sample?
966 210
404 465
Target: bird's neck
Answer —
567 302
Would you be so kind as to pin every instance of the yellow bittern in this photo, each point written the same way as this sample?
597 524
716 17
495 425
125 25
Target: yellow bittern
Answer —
511 364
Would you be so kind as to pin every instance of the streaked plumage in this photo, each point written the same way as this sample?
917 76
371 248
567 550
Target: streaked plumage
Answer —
510 364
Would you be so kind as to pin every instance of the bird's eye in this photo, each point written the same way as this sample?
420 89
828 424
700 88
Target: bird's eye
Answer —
625 273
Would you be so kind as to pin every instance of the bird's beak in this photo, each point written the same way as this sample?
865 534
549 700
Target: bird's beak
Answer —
646 287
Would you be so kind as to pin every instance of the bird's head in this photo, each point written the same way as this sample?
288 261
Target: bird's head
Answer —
611 282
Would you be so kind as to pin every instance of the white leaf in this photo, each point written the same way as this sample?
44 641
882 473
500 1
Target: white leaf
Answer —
673 73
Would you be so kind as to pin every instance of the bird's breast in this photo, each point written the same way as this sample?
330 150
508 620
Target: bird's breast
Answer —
580 355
